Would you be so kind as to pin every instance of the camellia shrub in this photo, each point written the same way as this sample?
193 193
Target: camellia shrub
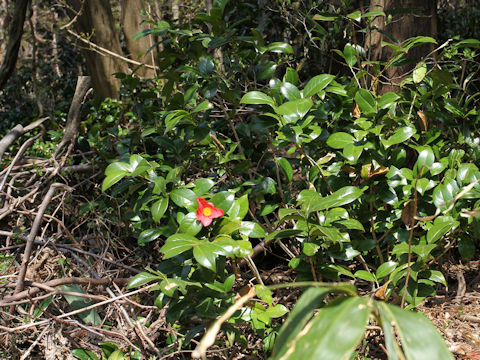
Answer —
351 185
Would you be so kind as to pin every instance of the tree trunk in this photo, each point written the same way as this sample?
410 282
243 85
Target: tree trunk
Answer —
410 18
96 19
131 19
15 33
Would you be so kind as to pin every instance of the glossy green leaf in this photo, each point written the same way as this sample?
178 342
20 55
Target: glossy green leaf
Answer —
325 17
290 91
244 248
350 55
419 72
158 209
189 224
114 173
286 167
399 136
420 339
205 254
117 355
83 354
204 105
331 233
310 300
142 279
298 108
423 250
435 275
149 235
228 226
76 303
365 275
202 186
441 226
252 229
138 165
310 249
373 13
352 224
239 208
341 270
316 84
268 209
280 47
312 201
418 40
444 194
352 153
280 234
291 76
266 71
425 160
467 174
365 102
170 286
205 65
177 244
276 311
340 140
184 197
387 100
356 15
223 200
257 98
344 196
227 246
333 333
385 269
337 89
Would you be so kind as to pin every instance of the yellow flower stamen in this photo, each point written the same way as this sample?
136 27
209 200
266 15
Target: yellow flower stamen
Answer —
207 211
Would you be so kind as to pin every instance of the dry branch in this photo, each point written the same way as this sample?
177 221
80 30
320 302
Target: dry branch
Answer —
74 113
75 312
57 282
16 132
31 237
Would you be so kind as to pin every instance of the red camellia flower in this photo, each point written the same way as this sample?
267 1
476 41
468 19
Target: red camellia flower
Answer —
206 212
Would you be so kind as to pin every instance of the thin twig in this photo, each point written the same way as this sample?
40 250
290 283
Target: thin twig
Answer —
412 225
254 269
108 52
18 156
26 354
6 301
33 232
44 322
209 338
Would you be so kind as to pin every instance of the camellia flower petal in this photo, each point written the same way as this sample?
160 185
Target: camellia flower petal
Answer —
206 212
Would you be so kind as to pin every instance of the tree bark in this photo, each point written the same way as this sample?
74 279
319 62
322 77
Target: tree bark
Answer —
97 20
74 113
15 33
410 18
131 19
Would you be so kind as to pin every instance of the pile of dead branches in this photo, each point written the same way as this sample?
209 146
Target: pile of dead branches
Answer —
48 244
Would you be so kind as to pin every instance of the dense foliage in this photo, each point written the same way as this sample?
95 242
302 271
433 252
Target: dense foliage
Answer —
248 140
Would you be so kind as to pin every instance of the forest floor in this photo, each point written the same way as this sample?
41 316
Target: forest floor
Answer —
455 311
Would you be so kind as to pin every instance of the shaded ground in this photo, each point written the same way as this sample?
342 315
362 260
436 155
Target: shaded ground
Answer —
456 313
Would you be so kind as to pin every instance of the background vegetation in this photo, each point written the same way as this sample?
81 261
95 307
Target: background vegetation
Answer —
275 179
